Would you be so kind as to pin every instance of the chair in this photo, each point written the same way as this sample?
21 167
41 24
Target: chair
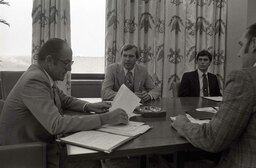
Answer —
7 80
175 89
27 155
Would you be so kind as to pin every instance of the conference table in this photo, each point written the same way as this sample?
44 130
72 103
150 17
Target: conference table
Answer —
161 139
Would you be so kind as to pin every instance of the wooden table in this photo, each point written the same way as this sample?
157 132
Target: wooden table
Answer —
161 138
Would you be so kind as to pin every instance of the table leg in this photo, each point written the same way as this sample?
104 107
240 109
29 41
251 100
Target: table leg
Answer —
179 159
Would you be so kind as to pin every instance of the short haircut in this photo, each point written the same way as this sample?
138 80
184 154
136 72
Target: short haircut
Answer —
127 47
204 53
53 46
251 32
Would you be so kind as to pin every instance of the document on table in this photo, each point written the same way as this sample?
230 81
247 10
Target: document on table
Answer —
96 140
193 120
215 98
126 100
105 139
132 129
208 109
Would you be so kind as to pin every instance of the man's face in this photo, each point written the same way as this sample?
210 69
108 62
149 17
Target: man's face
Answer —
203 63
129 59
246 51
61 65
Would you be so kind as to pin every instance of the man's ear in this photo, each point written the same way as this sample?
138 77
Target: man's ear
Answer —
253 43
49 60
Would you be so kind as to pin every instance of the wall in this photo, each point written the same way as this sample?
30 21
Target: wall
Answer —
251 12
236 24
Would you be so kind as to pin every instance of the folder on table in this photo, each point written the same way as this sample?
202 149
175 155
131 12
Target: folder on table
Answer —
107 138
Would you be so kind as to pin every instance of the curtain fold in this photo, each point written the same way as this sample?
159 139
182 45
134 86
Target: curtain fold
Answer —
51 18
169 34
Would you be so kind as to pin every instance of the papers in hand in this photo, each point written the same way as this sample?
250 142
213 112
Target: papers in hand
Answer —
215 98
208 109
126 100
107 138
193 120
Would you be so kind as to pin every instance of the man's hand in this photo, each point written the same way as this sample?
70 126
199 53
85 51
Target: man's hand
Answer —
144 96
100 107
117 116
178 123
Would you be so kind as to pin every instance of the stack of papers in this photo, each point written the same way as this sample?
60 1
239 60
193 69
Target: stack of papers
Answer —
215 98
107 138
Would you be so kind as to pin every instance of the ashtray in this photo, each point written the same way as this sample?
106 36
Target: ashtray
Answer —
150 111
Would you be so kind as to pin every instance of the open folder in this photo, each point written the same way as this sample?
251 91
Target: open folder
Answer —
106 138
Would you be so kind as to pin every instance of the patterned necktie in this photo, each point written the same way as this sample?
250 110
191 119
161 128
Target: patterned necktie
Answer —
129 80
56 98
205 85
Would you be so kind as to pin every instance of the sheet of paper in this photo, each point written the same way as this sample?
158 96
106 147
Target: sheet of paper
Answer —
215 98
132 129
126 100
96 140
208 109
193 120
75 150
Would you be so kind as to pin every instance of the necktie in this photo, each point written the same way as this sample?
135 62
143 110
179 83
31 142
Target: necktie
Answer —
205 85
56 98
129 80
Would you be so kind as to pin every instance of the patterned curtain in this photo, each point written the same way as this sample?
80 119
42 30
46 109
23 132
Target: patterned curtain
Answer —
169 34
51 18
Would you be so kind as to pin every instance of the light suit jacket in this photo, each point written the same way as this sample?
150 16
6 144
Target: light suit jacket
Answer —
29 113
233 128
115 77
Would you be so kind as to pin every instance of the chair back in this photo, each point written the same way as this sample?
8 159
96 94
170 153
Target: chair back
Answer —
175 89
7 81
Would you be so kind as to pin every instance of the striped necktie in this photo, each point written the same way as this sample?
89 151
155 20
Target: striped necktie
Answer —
129 80
205 85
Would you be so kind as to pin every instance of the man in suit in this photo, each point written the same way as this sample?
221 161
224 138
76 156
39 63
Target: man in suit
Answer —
35 108
232 128
133 75
200 82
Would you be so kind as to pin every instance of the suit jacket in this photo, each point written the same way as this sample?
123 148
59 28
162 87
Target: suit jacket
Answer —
190 86
30 114
115 77
232 129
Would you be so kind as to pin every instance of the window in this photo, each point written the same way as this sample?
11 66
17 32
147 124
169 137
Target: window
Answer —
88 35
15 41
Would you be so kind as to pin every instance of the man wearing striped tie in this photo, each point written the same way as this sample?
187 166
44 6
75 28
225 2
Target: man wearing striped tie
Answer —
200 82
133 75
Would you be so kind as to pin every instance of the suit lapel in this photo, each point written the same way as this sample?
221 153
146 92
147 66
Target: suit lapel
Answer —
196 82
120 75
137 79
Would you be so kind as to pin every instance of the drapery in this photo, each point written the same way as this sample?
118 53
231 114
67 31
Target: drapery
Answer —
169 34
51 18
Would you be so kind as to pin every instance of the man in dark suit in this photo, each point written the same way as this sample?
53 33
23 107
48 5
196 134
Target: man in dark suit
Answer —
35 108
139 81
200 82
232 128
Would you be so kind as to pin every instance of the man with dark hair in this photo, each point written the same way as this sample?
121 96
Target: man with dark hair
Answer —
200 82
232 128
133 75
35 109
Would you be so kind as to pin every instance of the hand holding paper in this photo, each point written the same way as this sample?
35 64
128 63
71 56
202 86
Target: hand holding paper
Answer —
126 100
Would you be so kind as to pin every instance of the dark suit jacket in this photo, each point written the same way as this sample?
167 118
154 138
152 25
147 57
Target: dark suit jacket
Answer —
115 77
30 114
190 86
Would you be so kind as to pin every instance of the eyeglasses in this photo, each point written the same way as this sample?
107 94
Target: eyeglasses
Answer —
67 63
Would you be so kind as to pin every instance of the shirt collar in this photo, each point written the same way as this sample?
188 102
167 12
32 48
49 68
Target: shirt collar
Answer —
132 71
49 77
200 73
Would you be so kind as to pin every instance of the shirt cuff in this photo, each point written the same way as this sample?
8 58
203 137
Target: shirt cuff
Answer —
85 107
